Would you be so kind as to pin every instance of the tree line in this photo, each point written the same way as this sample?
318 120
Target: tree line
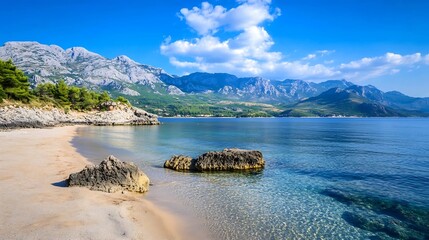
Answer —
14 85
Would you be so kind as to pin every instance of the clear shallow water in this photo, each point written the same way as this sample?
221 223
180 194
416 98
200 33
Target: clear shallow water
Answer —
384 158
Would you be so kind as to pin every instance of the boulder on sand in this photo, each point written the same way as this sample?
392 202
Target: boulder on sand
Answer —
110 176
226 160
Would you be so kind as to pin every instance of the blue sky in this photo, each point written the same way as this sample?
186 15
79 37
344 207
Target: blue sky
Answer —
383 43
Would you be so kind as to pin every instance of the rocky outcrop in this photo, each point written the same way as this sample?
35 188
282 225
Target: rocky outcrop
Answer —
226 160
180 163
230 159
31 117
111 175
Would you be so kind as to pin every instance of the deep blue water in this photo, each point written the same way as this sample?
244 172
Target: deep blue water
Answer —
375 160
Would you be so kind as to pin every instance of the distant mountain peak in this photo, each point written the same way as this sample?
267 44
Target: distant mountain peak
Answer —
20 43
77 65
81 53
125 59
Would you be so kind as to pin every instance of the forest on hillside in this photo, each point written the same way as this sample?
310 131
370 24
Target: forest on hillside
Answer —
15 86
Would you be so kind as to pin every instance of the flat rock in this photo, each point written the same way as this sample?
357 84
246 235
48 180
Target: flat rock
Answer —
226 160
111 175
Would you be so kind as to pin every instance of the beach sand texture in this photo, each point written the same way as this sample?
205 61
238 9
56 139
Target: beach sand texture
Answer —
35 204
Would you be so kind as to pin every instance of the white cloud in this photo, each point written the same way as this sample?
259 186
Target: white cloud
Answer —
250 13
207 19
389 59
246 53
300 70
427 59
204 20
208 48
325 52
367 68
319 53
247 50
310 56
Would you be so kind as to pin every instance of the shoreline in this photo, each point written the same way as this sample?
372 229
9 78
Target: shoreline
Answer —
36 204
27 116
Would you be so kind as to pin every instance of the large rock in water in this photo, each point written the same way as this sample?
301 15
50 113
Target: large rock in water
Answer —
110 176
226 160
180 163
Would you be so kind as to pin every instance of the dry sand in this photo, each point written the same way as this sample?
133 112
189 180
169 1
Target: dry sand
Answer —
34 204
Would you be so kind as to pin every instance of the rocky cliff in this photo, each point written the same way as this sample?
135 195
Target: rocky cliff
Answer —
78 66
31 117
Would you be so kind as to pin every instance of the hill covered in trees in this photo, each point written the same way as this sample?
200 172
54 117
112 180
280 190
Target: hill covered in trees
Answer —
14 85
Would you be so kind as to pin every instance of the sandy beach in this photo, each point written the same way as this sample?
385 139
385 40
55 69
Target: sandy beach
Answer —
35 204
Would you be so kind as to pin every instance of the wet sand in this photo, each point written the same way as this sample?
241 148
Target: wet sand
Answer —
35 204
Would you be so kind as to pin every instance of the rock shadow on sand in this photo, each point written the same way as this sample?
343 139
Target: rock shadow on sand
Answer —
62 183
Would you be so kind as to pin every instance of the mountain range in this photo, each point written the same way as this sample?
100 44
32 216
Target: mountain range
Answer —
200 93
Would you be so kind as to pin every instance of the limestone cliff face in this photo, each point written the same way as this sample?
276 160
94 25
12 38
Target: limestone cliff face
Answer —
111 175
30 117
78 66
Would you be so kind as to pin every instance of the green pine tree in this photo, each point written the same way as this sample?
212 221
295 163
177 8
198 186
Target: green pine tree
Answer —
62 93
104 97
45 91
14 83
122 100
2 94
74 96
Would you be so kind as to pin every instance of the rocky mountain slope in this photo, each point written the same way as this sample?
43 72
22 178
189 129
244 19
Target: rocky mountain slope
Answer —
340 102
251 88
195 94
78 66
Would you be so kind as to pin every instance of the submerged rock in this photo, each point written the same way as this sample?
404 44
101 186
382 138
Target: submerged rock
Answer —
395 218
383 223
226 160
111 175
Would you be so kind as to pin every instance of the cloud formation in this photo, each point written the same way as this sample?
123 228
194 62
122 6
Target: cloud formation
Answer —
390 63
242 54
207 19
247 50
427 59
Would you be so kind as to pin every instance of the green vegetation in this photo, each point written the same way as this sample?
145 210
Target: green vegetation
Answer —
195 105
162 103
70 97
339 103
14 85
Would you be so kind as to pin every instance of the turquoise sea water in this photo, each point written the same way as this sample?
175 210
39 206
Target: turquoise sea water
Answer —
325 178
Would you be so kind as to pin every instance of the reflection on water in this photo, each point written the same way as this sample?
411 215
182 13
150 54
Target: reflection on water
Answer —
387 158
